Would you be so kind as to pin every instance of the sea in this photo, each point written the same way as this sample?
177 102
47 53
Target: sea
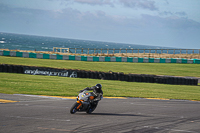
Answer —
43 43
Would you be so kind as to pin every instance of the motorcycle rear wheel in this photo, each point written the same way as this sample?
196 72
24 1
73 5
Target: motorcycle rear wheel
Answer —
90 109
73 109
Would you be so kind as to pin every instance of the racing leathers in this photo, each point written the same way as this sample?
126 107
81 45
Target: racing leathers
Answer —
97 93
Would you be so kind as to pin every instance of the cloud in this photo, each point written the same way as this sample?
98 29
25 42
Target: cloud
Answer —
95 2
97 24
173 22
166 2
169 13
4 8
181 13
145 4
102 20
98 19
165 13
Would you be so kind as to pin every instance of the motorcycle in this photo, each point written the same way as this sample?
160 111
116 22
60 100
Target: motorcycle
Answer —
83 103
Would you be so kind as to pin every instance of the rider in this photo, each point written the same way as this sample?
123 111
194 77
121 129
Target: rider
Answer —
97 92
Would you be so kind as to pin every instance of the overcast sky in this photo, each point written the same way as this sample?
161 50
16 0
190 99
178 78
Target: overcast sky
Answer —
170 23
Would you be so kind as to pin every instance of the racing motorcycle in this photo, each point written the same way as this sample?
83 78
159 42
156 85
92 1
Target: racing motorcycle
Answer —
83 102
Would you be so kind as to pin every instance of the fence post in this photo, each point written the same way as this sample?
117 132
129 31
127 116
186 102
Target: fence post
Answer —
101 51
144 51
186 51
199 53
107 51
120 50
75 50
94 50
126 51
132 50
167 51
82 51
180 51
174 51
113 51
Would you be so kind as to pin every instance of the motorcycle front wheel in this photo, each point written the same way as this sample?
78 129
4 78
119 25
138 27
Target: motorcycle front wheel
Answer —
74 108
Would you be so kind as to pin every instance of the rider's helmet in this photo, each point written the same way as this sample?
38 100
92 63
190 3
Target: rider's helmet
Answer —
98 86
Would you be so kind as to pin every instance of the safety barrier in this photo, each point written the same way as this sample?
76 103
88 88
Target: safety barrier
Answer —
98 75
98 58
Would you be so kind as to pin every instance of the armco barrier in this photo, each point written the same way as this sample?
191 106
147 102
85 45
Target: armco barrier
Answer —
98 75
72 57
32 55
12 53
6 53
59 57
98 58
129 59
19 54
46 56
26 55
1 53
39 56
197 61
65 57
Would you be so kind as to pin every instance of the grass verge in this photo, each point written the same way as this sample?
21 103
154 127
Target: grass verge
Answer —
172 69
62 86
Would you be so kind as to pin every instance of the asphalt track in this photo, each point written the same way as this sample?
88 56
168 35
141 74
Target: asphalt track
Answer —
29 114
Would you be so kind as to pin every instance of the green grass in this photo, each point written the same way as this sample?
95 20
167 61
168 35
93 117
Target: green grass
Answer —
172 69
62 86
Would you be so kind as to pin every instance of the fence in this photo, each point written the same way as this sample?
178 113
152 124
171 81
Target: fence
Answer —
125 51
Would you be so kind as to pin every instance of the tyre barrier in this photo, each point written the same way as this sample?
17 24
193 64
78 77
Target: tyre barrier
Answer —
74 73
